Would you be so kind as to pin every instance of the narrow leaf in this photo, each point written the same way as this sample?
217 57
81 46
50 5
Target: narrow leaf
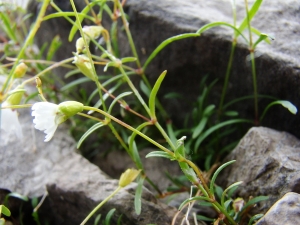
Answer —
254 218
251 14
88 132
213 179
196 198
109 216
138 196
117 99
164 44
159 154
153 94
227 189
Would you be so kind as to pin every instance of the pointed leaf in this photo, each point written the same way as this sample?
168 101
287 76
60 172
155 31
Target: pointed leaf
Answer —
196 198
159 154
213 179
109 216
227 189
4 210
117 99
138 196
153 94
88 132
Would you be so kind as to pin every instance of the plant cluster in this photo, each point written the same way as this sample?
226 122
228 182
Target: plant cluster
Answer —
114 88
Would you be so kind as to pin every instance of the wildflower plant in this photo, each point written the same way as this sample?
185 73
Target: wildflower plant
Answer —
48 115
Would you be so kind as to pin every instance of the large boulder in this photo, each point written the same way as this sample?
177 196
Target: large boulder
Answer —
268 162
72 184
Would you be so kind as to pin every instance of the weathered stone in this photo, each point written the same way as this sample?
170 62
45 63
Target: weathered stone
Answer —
285 211
268 162
75 186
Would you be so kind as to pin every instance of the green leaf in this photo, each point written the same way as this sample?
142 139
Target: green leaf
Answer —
8 27
117 99
128 59
231 113
196 198
75 83
138 196
159 154
213 179
284 103
216 127
254 201
54 45
257 32
144 88
88 132
153 94
97 219
4 210
261 38
254 218
164 44
216 24
251 14
227 189
204 218
109 216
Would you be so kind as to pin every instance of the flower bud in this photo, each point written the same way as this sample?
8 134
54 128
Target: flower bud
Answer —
20 70
92 31
84 65
80 44
128 176
15 96
38 82
238 204
70 108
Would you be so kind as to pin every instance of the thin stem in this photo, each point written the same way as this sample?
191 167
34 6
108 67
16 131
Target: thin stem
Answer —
162 131
254 86
129 128
228 71
48 69
128 33
135 91
28 40
100 205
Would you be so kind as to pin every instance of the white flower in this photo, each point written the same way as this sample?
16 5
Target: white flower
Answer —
10 122
47 118
48 115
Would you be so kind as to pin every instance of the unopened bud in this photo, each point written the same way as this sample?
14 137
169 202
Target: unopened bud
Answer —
38 82
70 108
84 65
80 44
15 96
128 176
92 31
238 204
20 70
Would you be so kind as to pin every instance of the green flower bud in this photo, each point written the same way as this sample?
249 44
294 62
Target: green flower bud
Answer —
20 70
15 96
70 108
84 65
128 176
80 44
92 31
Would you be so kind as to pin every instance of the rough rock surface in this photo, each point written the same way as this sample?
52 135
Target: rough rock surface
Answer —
74 185
285 211
268 162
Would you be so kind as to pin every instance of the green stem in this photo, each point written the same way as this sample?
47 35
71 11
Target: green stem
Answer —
165 135
129 128
100 205
228 70
230 219
135 91
128 33
254 85
48 69
28 40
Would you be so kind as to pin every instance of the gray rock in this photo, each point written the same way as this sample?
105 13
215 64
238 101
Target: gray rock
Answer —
268 162
75 186
285 211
